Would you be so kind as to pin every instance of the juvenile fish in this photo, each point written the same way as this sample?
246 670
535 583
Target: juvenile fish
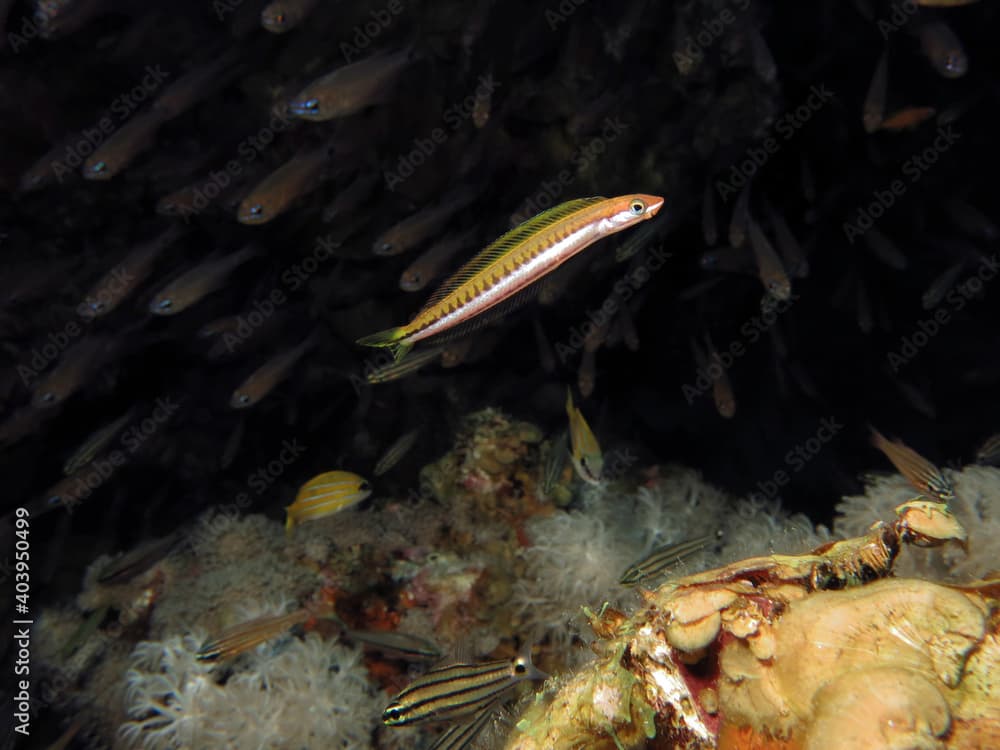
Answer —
907 118
722 389
74 369
741 216
943 49
653 565
125 277
971 220
586 376
772 272
352 197
941 285
122 146
415 229
515 261
458 690
641 238
284 15
324 495
585 452
918 471
885 250
555 461
989 452
195 85
198 283
263 380
396 451
351 88
403 645
271 197
791 250
400 369
874 107
139 560
94 444
433 260
248 635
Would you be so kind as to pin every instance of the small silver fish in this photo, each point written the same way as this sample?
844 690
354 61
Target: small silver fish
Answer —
404 645
195 284
94 444
407 366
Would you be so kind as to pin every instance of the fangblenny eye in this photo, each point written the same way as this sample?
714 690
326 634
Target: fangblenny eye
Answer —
637 207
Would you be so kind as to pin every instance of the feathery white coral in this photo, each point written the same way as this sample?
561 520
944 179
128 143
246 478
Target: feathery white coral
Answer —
312 694
976 505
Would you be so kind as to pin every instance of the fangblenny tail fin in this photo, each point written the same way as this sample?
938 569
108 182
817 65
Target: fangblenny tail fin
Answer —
392 338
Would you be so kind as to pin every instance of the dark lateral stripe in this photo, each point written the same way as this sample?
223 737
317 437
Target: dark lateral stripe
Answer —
664 557
468 695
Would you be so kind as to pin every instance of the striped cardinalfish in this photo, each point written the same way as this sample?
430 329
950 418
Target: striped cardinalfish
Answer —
402 645
516 260
918 471
457 690
248 635
324 495
653 565
395 452
585 452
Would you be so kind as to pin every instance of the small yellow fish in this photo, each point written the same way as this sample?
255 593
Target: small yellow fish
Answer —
122 146
772 271
351 88
515 261
324 495
284 15
907 118
585 452
200 281
278 190
586 376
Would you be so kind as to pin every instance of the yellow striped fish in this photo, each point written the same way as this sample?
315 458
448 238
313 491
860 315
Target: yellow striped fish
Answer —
918 471
516 260
585 452
324 495
457 690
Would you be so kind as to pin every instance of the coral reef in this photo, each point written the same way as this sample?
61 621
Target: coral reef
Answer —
976 506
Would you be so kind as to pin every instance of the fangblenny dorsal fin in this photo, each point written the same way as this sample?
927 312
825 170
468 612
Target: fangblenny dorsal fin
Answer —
510 241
